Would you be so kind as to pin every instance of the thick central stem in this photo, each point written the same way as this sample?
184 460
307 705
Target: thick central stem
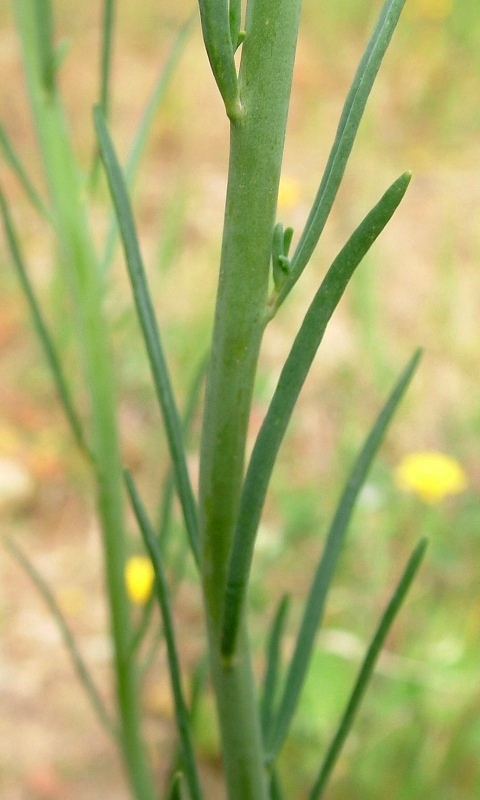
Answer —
256 149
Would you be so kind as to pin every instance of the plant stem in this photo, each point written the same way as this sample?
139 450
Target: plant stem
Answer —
256 149
83 277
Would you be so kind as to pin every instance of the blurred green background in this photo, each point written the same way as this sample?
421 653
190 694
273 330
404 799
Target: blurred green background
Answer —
418 734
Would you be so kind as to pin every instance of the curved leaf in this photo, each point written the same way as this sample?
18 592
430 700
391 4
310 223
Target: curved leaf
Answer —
367 669
347 130
315 604
291 380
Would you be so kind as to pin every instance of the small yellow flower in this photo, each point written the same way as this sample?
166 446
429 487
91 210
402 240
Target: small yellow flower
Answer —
289 193
139 578
430 475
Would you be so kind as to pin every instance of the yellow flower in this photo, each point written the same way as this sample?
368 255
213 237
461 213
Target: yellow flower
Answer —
288 193
139 578
430 475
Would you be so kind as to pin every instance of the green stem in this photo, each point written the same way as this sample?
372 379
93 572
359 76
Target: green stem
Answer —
256 149
83 277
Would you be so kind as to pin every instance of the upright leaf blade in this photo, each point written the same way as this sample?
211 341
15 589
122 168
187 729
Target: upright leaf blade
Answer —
291 380
215 18
148 322
42 331
69 640
346 133
315 604
161 587
138 145
13 160
273 664
367 668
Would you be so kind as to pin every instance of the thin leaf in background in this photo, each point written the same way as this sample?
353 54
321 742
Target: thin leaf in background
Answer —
13 160
347 131
162 591
315 604
291 380
41 329
150 330
44 20
164 526
273 665
138 145
367 669
68 639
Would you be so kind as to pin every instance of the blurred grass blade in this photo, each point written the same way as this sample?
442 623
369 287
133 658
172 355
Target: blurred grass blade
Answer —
367 669
106 55
41 329
108 17
169 491
150 330
175 791
291 380
275 788
347 130
182 714
315 604
13 160
68 639
273 664
215 19
141 136
46 51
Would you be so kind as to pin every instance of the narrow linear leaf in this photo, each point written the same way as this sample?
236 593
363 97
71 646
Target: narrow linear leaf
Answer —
347 130
315 604
273 664
44 31
291 380
67 636
169 491
367 669
275 787
161 587
175 791
144 128
41 330
215 18
106 55
235 15
146 315
11 157
108 15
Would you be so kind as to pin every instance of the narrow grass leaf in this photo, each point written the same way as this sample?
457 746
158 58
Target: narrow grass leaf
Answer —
273 665
11 157
148 322
182 714
346 133
41 329
106 55
275 787
141 136
164 526
44 31
367 669
175 791
315 604
67 636
215 18
291 380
